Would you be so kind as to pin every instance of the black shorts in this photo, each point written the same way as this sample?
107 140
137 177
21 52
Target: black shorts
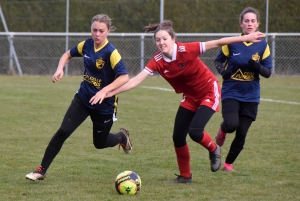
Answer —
242 108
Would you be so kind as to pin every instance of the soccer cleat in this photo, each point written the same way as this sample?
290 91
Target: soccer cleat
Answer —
128 146
180 179
228 167
38 174
220 138
215 159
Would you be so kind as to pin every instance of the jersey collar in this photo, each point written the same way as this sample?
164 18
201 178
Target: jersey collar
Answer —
246 43
96 50
173 55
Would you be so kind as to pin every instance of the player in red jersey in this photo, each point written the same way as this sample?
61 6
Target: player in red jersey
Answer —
180 65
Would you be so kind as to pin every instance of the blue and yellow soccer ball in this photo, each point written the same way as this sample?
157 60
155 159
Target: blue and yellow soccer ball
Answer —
128 183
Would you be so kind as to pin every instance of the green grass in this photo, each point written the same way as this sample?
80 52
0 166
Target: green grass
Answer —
32 108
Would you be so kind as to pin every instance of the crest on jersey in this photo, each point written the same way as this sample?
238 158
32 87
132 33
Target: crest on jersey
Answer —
100 63
181 65
256 57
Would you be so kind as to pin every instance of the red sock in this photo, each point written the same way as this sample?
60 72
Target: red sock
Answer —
207 142
183 160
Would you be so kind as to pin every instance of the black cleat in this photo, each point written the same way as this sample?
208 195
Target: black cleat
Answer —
215 159
180 179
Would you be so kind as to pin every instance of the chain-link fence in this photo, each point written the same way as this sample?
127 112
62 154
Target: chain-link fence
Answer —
130 16
39 55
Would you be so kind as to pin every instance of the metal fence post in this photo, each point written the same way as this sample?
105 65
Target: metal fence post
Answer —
273 54
142 53
67 31
11 46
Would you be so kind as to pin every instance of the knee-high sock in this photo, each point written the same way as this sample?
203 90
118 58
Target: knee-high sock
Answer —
183 160
207 142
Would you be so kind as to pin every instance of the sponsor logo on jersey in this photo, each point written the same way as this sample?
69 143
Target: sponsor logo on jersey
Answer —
92 80
243 76
236 54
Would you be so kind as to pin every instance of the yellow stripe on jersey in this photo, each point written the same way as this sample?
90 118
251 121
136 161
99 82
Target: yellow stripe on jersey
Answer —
247 43
266 52
115 57
96 50
80 46
225 50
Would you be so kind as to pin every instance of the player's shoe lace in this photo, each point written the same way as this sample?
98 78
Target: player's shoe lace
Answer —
228 167
127 147
215 159
38 174
180 179
220 138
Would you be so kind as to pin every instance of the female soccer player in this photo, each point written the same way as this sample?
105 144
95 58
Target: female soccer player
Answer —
180 65
245 61
104 71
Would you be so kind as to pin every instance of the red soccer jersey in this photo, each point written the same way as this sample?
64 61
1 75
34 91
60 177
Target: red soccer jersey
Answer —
186 73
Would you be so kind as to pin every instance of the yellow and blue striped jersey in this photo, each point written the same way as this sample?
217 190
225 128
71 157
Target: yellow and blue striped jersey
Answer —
244 84
101 67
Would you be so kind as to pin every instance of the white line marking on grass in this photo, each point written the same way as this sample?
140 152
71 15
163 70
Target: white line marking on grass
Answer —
158 88
262 99
280 101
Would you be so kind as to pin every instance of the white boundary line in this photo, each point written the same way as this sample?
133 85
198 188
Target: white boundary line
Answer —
262 99
280 101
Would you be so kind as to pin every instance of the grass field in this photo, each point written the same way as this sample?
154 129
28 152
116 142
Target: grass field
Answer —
32 108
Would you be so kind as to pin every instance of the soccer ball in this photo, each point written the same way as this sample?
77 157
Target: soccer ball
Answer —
128 183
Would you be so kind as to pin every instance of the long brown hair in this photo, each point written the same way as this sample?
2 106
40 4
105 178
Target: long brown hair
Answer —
249 10
165 25
105 19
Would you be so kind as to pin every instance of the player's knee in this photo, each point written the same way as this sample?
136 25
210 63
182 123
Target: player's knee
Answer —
230 127
98 145
196 134
61 135
179 141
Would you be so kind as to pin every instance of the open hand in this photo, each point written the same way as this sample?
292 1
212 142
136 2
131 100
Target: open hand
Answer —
253 37
98 98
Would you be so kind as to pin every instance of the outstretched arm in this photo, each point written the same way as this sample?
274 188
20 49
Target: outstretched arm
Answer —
253 37
100 95
132 83
61 64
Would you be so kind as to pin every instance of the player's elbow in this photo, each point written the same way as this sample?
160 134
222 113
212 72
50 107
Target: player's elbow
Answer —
265 72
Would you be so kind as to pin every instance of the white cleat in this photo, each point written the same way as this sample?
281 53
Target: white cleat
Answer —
38 174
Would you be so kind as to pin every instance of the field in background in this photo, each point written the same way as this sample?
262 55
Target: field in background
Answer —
32 108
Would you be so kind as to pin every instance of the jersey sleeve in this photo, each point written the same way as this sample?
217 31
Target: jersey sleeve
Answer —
117 63
150 67
115 58
222 56
76 51
191 50
266 58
